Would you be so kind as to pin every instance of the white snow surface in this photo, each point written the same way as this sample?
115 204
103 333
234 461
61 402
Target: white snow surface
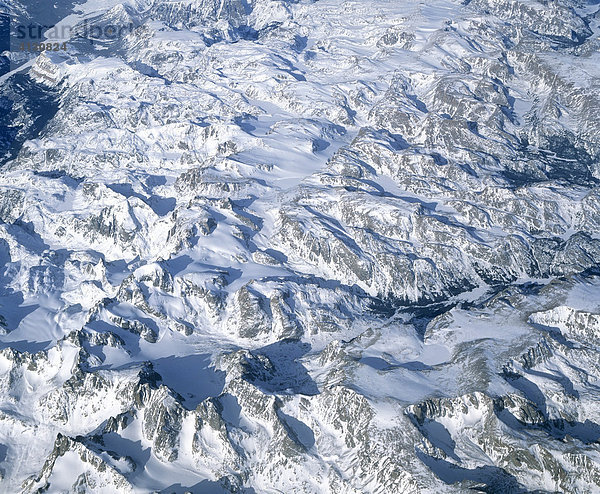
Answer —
320 246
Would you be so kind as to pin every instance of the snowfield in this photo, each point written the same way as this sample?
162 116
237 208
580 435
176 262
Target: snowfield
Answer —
302 246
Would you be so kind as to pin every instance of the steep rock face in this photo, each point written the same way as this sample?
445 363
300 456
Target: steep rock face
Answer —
90 471
558 21
581 326
492 429
299 246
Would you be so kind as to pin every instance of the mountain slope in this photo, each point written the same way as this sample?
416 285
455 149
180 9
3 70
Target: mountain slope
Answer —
304 246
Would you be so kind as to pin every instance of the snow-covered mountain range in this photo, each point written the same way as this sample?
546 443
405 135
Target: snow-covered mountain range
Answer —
302 246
